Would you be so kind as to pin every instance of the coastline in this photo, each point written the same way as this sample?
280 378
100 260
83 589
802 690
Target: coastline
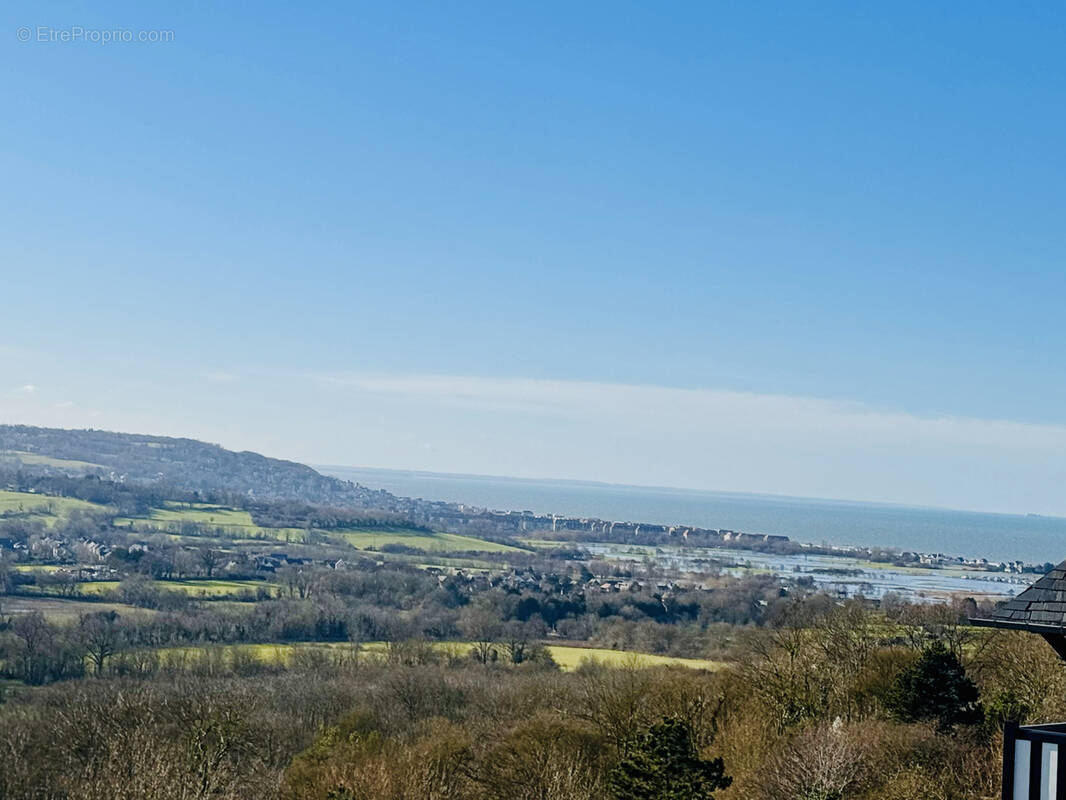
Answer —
994 577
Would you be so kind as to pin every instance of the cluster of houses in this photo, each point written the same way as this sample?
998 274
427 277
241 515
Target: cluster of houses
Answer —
460 518
522 579
941 560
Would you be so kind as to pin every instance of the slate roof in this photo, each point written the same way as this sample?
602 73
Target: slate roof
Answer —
1041 608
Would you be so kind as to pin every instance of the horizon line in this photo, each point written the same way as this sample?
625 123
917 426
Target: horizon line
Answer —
655 487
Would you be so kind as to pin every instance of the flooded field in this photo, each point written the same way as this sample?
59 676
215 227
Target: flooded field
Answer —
842 575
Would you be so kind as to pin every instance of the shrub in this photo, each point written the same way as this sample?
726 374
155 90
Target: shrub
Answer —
664 764
936 688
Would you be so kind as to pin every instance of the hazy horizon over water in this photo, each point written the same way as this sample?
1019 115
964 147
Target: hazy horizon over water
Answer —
998 537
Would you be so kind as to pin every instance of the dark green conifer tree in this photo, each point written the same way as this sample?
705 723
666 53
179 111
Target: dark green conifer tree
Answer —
664 764
936 687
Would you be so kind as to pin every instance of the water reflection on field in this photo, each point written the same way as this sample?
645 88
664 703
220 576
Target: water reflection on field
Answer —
843 575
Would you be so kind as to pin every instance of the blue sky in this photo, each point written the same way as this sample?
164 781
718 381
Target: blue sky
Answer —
379 234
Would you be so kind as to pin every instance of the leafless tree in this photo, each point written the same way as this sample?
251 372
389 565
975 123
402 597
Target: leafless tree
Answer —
100 636
210 559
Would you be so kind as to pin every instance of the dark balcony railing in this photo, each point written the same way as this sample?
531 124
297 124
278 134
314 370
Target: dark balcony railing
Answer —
1032 766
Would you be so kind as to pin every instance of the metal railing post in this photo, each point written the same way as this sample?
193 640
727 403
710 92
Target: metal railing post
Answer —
1010 733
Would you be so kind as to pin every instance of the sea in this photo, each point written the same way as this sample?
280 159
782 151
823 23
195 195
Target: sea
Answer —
997 537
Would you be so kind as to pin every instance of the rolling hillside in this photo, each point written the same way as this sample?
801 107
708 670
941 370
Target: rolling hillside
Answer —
182 463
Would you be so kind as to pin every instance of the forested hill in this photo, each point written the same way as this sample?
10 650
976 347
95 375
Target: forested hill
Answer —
182 463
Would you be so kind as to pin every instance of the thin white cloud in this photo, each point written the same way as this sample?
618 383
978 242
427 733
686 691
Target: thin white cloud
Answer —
220 377
508 394
26 389
638 434
696 410
699 438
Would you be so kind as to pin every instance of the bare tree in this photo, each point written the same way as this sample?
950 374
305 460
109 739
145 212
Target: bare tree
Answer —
823 762
516 641
35 637
100 637
300 581
210 560
482 627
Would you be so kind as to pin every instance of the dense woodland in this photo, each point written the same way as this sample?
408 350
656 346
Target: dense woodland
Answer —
830 701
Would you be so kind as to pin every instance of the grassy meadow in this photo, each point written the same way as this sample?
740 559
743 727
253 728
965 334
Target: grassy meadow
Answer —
173 518
568 657
239 525
431 542
63 609
235 523
40 505
35 459
196 588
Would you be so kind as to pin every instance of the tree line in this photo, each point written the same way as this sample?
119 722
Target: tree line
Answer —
836 701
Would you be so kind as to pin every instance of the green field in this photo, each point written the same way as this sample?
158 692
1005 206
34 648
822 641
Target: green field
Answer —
433 542
203 514
567 657
239 524
173 515
42 506
266 653
236 524
194 588
35 459
546 544
64 610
